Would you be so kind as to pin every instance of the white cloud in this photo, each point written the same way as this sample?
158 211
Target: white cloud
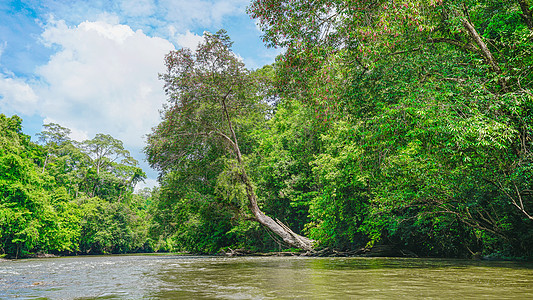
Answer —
103 75
104 79
153 16
262 57
189 40
75 134
16 96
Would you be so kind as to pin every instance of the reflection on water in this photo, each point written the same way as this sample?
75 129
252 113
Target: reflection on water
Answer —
187 277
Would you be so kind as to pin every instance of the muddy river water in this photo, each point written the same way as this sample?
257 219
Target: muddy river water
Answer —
197 277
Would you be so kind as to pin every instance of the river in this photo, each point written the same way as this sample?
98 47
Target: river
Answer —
191 277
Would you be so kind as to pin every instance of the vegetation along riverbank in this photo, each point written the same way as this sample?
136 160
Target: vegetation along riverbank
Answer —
406 125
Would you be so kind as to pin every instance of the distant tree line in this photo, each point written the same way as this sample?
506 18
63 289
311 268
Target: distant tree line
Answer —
67 197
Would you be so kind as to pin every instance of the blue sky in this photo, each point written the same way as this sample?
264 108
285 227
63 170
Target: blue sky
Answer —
92 65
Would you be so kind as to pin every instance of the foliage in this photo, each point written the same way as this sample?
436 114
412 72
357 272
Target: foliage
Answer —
396 122
214 101
110 227
45 195
281 163
425 107
30 211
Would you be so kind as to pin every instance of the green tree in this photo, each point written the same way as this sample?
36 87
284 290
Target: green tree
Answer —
64 159
114 171
428 104
282 163
35 215
211 95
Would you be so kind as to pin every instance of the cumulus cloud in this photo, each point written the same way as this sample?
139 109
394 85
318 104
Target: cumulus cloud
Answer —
16 96
103 79
150 15
75 134
99 73
147 183
189 40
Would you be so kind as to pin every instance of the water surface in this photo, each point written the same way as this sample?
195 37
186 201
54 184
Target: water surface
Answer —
188 277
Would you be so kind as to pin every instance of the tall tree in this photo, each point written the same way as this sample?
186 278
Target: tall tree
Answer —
211 96
114 168
104 150
56 141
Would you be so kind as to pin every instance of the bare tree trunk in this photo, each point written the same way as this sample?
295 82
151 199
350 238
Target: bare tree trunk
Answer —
283 231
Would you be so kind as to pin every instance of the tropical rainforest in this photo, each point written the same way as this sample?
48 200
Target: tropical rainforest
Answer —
403 123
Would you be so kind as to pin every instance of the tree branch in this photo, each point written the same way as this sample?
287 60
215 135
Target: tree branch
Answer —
467 46
230 125
484 50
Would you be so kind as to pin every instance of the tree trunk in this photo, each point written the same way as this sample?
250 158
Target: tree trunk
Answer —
482 46
276 226
45 162
485 51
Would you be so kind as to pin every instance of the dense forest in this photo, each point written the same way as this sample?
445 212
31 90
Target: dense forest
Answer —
63 197
401 123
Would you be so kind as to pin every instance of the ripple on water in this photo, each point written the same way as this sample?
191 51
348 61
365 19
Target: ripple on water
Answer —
181 277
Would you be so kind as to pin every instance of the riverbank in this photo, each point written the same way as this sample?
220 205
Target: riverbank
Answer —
376 251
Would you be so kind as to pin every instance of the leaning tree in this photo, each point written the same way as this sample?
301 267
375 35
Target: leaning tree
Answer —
209 93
